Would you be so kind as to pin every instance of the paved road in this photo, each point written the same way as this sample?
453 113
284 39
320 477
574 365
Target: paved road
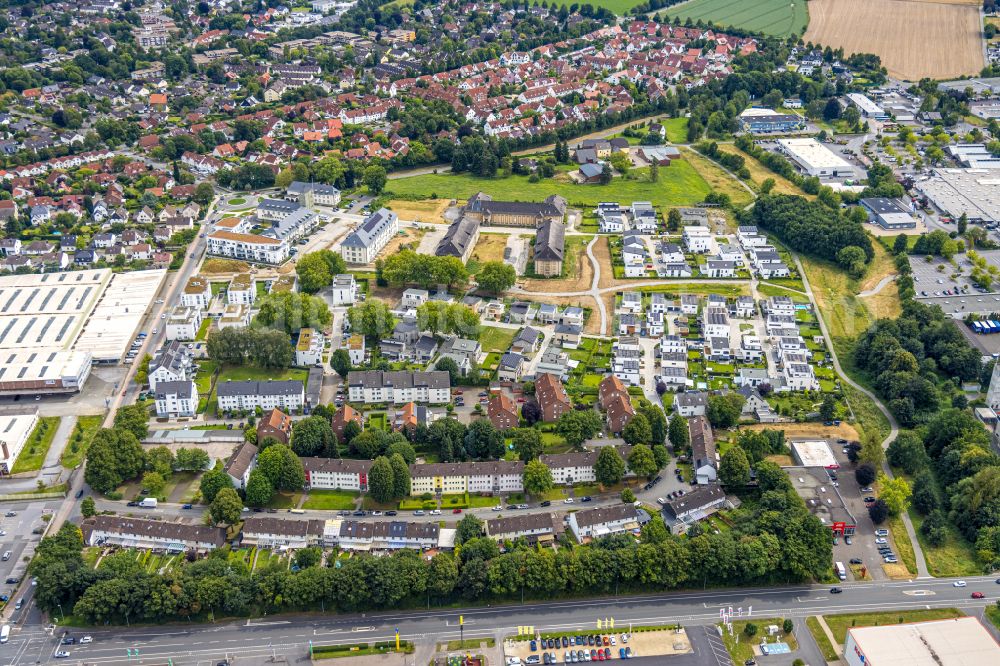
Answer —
291 635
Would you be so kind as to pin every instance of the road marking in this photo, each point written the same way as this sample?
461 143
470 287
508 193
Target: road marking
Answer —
919 593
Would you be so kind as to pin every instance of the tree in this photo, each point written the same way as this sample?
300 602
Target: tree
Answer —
483 440
655 531
308 557
832 110
531 412
907 452
203 193
282 467
678 433
606 174
637 431
674 220
153 483
496 277
351 430
400 476
878 511
537 478
312 436
340 361
577 426
609 468
826 410
628 497
661 456
212 482
734 469
724 410
190 459
787 625
259 489
641 460
469 527
313 273
160 459
381 480
375 179
527 444
372 319
657 422
114 456
135 419
448 364
290 312
88 507
865 475
895 493
852 258
750 630
226 507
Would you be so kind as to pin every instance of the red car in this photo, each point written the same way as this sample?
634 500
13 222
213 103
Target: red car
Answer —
978 595
456 511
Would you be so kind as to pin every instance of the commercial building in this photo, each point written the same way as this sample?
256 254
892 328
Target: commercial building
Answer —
973 155
241 396
398 387
822 498
974 192
888 213
106 530
768 121
815 159
815 453
867 107
375 231
961 641
15 429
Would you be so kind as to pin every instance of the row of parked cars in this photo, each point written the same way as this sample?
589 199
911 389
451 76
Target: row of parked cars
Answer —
595 647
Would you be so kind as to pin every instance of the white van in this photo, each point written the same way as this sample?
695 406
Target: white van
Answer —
148 503
5 633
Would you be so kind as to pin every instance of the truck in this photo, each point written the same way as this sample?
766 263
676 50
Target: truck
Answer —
148 503
841 571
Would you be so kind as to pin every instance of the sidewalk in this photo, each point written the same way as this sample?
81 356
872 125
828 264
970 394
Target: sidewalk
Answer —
829 634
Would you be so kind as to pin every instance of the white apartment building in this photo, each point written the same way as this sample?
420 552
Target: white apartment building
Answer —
345 290
398 387
603 521
365 242
309 348
697 239
175 399
197 293
241 396
183 323
489 477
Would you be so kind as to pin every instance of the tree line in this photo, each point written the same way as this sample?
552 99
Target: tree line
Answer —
772 540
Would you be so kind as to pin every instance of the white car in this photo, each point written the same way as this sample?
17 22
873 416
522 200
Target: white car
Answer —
661 500
568 500
959 583
498 508
435 512
881 540
85 640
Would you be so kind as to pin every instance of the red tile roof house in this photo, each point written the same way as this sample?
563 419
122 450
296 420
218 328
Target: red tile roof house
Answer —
615 401
502 412
275 424
551 397
342 417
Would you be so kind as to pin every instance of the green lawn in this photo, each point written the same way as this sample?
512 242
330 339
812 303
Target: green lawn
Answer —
203 329
839 624
330 500
494 339
773 17
993 615
240 373
35 449
620 7
284 500
677 129
79 440
678 185
825 646
955 557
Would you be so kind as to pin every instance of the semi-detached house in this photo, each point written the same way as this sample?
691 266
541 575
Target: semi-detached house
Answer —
272 532
603 521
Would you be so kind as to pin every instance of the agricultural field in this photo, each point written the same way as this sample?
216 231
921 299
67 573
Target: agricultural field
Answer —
773 17
915 39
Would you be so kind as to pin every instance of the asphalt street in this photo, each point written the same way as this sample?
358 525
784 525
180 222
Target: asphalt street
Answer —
291 635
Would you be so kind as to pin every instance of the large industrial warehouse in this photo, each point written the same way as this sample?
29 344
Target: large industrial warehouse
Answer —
963 641
975 192
815 159
54 326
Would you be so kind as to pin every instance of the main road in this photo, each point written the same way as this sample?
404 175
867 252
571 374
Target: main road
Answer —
291 635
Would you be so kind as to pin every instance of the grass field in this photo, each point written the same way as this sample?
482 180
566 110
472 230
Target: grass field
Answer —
330 500
79 440
33 454
677 129
839 624
914 39
773 17
678 185
741 647
718 179
824 644
759 173
428 210
240 373
495 339
955 557
489 247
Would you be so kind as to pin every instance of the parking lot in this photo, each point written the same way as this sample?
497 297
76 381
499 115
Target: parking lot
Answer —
18 538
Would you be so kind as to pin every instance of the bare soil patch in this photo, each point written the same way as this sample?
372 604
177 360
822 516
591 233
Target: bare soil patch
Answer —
915 38
490 247
817 430
580 265
428 210
406 236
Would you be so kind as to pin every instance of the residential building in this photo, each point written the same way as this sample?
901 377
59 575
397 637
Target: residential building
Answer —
578 466
613 397
549 248
603 521
703 455
313 194
243 396
691 404
515 213
460 239
533 527
502 411
275 424
309 347
344 415
375 386
241 290
281 533
183 323
127 532
368 239
682 512
336 473
385 535
197 293
344 291
488 478
173 362
175 399
242 462
510 368
551 397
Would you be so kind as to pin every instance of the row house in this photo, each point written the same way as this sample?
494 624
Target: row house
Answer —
127 532
488 478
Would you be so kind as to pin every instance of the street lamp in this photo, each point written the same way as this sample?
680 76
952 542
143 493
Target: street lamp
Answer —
61 612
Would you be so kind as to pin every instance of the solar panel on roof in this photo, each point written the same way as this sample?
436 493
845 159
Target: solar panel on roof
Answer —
24 332
45 328
24 369
10 301
65 327
45 301
6 330
42 372
83 299
62 303
31 297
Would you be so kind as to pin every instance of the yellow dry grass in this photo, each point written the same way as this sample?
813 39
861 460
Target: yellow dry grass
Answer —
720 181
759 173
796 430
490 247
584 272
428 210
915 39
406 236
216 266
